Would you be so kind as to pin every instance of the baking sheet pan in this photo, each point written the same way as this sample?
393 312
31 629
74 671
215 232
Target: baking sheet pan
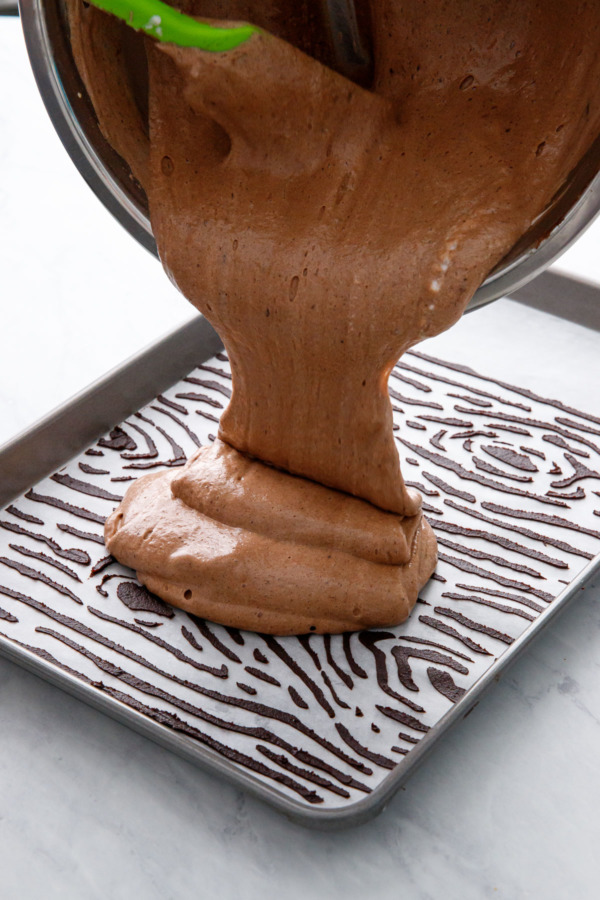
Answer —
324 729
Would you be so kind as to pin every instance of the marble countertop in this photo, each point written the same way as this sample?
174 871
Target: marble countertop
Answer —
508 805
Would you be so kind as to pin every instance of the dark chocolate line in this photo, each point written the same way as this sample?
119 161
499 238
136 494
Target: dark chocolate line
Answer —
210 385
416 425
43 557
102 564
291 663
74 555
369 639
248 689
84 535
428 508
538 517
422 488
206 415
471 569
398 716
477 401
118 439
360 750
194 437
492 592
445 420
77 511
28 572
284 762
403 654
178 407
474 432
500 541
84 487
109 577
178 452
517 529
354 666
429 404
569 423
296 698
445 685
211 637
437 625
259 656
474 626
262 676
419 640
202 398
91 470
138 598
533 452
6 616
485 466
448 489
191 639
235 635
152 452
501 607
559 441
408 737
215 371
498 560
343 676
579 494
336 698
167 463
418 385
148 624
580 472
436 440
23 515
513 429
92 451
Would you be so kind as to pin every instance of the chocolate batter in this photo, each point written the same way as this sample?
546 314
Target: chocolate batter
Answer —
323 228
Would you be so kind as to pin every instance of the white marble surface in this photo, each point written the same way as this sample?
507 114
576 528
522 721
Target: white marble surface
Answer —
509 804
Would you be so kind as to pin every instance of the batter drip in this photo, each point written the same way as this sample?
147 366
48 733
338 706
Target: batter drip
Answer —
324 228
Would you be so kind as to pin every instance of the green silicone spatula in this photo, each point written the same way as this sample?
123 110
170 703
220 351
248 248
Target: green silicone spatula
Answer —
164 23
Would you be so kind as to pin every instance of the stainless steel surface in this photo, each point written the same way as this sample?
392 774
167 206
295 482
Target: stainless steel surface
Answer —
571 211
52 443
353 59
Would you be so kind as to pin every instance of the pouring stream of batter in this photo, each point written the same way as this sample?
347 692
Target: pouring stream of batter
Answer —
324 228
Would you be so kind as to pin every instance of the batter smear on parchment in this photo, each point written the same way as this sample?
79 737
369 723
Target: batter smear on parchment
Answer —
324 228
